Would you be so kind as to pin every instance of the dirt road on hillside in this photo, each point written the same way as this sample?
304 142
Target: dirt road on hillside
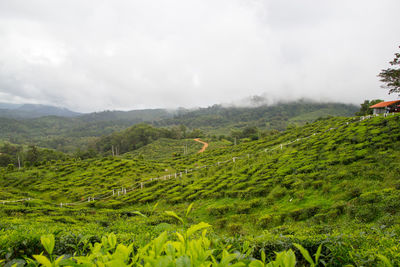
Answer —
205 145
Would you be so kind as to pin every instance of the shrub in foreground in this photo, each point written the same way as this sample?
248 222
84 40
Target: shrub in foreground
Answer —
190 248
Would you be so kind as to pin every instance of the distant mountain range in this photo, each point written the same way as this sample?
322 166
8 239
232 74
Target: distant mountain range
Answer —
27 111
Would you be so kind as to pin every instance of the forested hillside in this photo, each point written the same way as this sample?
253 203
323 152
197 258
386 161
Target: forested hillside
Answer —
332 183
73 134
139 136
69 134
220 119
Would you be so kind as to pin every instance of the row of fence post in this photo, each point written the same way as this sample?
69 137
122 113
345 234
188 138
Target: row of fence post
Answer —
165 177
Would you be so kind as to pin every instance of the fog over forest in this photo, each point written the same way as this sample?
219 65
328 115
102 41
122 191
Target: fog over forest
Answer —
91 56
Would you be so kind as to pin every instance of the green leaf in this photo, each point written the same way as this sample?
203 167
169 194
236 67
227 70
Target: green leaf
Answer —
154 207
189 209
48 243
196 227
305 254
173 214
57 261
256 263
284 258
183 261
227 258
114 263
122 252
139 213
42 260
238 264
318 254
263 257
289 259
159 243
180 237
112 240
385 260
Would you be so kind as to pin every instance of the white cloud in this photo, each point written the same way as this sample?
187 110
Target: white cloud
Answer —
96 55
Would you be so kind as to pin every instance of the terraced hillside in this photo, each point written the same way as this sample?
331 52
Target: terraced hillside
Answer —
334 182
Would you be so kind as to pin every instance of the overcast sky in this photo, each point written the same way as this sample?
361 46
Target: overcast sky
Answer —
93 55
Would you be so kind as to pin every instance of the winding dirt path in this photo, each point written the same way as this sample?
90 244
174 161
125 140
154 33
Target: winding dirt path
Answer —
205 145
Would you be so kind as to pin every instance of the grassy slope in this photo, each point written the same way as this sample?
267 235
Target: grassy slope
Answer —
165 148
340 185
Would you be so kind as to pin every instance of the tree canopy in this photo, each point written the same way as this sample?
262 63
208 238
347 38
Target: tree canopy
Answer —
391 76
364 109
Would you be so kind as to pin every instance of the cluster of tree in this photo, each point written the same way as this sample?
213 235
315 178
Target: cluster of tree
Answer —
251 132
139 135
69 134
365 110
17 155
391 76
268 117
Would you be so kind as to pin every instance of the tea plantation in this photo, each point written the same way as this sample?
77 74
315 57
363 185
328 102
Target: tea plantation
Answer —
333 184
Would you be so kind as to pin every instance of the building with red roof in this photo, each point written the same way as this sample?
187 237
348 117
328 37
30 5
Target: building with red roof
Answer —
386 107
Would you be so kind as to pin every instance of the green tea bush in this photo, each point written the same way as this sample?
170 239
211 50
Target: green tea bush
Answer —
304 213
235 229
267 221
187 249
278 192
220 210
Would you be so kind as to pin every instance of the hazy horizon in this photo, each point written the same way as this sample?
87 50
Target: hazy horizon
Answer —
245 102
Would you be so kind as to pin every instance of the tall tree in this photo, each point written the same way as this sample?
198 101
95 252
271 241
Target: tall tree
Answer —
32 155
391 76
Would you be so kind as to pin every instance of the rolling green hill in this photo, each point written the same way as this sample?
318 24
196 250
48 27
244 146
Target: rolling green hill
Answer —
70 134
333 182
218 119
167 148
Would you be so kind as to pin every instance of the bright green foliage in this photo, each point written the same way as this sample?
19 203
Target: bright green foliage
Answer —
165 148
48 243
136 137
186 250
339 187
307 256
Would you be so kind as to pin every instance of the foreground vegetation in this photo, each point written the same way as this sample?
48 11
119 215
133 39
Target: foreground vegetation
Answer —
337 189
183 250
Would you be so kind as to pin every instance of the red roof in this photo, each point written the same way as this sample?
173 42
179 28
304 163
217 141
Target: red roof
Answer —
385 104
